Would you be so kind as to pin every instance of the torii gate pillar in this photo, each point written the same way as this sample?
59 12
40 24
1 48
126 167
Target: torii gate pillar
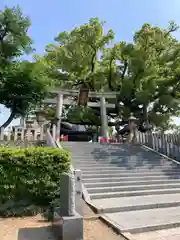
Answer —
59 108
104 119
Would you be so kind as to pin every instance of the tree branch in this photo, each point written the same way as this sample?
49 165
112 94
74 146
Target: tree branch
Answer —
8 121
10 118
124 70
78 83
110 75
93 62
3 34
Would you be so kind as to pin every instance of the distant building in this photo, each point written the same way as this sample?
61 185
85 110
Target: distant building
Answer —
27 126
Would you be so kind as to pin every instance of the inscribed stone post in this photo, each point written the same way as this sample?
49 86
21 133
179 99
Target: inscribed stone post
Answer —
67 194
78 196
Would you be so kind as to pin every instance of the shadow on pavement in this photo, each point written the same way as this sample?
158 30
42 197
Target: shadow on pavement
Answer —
39 233
132 157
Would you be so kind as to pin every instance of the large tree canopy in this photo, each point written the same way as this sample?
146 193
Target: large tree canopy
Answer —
145 72
22 84
77 55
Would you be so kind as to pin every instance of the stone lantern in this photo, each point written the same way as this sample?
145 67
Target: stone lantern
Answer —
132 118
29 123
132 122
40 117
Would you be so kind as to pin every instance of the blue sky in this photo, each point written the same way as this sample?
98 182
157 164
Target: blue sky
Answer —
124 17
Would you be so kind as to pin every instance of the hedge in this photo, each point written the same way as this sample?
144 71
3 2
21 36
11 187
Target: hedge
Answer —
30 178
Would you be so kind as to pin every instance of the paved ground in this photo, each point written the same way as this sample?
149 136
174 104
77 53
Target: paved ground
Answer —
36 228
29 228
94 229
168 234
151 219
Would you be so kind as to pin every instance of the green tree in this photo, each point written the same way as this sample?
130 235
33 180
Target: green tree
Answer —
22 84
148 72
77 55
24 87
145 72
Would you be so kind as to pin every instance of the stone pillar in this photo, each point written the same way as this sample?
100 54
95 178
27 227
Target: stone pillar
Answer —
59 107
28 134
35 134
54 131
41 132
22 133
104 119
15 134
2 134
9 134
22 122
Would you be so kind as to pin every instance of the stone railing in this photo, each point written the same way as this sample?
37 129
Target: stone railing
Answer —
167 144
49 140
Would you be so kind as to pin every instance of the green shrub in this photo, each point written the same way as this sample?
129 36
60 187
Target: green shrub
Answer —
30 177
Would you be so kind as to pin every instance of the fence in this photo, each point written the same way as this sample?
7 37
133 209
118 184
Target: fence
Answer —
167 144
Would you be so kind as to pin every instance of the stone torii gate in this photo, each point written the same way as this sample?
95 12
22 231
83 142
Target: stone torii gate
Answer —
59 100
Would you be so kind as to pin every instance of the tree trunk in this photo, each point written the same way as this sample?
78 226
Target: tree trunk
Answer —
145 114
8 121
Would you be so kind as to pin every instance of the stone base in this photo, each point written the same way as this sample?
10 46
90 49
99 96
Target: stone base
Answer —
68 228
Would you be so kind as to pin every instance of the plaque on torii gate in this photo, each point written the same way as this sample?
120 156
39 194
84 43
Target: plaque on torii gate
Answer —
83 96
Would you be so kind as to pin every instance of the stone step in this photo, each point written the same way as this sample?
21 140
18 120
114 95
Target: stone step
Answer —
131 171
121 170
106 166
121 163
134 193
136 203
124 179
107 154
91 153
86 158
129 183
83 149
138 174
91 160
108 160
119 156
84 152
125 169
89 147
133 188
146 220
111 167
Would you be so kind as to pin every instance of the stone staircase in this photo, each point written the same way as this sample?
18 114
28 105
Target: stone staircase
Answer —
136 189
